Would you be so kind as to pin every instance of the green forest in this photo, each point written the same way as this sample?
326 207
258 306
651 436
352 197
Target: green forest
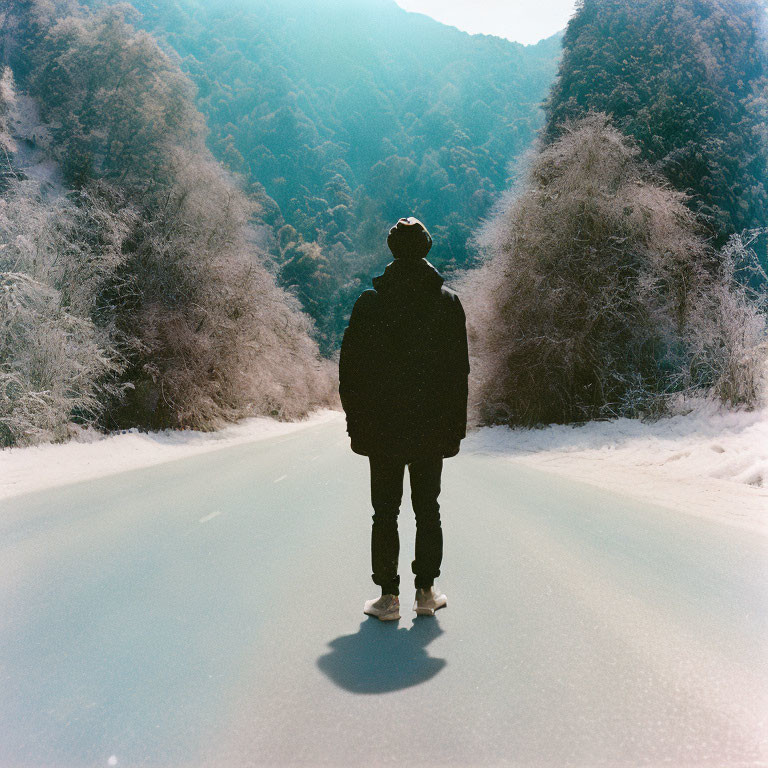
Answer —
687 81
195 192
343 116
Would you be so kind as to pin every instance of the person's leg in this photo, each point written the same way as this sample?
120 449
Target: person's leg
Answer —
386 495
425 488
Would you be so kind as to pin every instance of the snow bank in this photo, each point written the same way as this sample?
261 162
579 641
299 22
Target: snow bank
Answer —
711 462
91 454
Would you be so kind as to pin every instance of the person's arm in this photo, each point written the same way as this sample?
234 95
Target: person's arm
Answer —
461 368
354 365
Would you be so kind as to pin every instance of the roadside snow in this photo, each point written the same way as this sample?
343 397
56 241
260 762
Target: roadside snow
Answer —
91 454
711 462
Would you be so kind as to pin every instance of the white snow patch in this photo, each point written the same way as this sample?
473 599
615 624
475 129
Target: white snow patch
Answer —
91 454
711 462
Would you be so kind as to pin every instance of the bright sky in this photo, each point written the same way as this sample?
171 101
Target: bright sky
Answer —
525 21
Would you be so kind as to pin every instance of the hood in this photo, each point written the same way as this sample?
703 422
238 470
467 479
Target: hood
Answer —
408 276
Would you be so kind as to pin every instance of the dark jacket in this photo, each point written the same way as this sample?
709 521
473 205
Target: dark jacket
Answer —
404 365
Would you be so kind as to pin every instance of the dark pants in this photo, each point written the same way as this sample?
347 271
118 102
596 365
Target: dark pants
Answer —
386 494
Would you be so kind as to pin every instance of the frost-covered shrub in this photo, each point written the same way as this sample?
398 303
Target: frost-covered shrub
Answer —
56 363
599 297
728 341
212 336
51 363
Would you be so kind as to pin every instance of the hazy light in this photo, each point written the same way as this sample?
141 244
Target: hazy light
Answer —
526 21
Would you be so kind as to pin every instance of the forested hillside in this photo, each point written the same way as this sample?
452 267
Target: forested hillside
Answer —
164 169
688 80
345 115
133 292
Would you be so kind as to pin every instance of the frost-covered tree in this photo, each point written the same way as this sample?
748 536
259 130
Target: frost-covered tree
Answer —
116 103
151 249
308 100
210 335
600 297
58 357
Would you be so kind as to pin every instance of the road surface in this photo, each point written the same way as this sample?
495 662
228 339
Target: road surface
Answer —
207 612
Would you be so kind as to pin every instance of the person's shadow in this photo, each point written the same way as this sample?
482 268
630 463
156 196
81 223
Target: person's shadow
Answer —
383 657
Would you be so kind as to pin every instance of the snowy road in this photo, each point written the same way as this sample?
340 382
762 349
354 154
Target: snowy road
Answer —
208 612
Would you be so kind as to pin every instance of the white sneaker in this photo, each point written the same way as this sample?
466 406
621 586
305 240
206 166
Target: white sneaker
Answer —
428 601
386 608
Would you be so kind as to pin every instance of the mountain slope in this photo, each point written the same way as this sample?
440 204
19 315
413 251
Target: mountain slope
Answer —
344 116
689 82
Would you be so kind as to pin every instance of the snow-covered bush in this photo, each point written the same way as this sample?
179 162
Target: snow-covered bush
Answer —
599 297
728 342
56 364
212 336
50 363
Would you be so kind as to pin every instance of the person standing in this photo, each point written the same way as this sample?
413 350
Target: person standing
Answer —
403 374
